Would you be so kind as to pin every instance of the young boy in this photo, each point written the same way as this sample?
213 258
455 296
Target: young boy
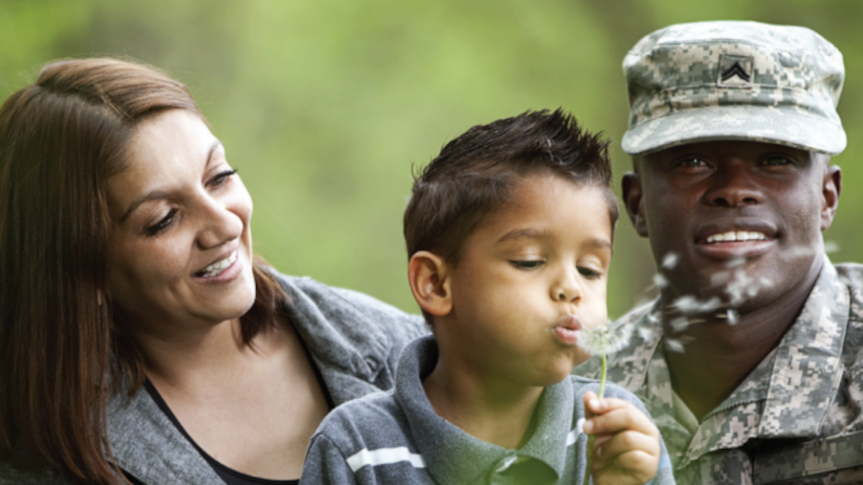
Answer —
509 232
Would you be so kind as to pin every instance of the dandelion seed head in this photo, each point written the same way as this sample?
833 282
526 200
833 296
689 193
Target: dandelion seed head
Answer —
670 260
603 340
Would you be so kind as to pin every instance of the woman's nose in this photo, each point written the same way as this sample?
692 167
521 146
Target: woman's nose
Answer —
218 224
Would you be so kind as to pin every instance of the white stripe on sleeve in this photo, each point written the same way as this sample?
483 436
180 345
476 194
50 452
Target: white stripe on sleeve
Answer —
384 456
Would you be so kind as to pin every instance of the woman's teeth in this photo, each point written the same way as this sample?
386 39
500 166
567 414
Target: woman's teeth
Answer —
216 268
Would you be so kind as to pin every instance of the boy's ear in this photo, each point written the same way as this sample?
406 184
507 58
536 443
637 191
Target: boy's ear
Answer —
430 284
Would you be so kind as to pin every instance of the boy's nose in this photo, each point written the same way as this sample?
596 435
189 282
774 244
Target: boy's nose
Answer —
567 289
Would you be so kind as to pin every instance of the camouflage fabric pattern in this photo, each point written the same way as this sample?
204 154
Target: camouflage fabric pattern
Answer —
797 418
734 80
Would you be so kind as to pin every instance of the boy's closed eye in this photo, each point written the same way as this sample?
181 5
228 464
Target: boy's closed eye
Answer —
527 264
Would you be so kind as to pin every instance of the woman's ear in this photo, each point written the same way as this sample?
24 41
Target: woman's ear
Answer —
428 277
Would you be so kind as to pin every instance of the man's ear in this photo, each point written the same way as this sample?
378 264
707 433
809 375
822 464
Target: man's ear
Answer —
430 284
633 199
830 190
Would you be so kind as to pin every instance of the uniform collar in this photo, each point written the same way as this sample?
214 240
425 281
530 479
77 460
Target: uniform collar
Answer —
465 459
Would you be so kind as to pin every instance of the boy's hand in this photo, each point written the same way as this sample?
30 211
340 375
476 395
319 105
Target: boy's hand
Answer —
626 443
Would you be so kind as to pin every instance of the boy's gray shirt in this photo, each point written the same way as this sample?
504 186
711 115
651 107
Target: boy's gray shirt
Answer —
353 339
396 438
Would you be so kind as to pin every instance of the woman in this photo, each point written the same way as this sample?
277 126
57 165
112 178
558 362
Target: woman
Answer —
139 339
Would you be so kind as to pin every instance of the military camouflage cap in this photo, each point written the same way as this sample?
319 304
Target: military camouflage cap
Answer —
729 80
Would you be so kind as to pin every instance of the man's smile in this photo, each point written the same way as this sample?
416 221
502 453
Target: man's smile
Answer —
735 237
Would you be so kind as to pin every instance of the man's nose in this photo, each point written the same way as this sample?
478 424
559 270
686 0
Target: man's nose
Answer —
733 186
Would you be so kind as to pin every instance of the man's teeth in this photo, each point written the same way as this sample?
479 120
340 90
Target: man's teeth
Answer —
737 236
219 266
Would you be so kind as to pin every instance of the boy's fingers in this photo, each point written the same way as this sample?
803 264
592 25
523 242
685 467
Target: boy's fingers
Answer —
605 404
624 418
621 444
589 397
637 463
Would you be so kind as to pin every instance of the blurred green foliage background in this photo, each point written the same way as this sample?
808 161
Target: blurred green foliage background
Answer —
325 106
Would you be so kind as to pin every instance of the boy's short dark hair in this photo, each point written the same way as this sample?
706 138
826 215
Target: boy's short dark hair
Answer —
476 172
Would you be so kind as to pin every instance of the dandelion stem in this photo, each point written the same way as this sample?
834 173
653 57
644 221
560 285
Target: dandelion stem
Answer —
590 440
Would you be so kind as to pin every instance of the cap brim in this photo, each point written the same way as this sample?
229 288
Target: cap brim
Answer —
789 127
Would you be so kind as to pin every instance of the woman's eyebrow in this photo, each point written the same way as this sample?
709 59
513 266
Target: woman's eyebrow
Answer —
161 194
216 144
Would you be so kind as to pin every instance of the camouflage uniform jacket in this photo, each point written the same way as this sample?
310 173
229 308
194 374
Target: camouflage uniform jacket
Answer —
797 418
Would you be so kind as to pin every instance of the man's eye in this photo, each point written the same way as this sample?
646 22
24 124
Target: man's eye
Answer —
775 161
526 264
693 162
588 273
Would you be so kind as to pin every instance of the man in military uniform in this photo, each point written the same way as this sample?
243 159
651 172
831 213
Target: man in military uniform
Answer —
750 360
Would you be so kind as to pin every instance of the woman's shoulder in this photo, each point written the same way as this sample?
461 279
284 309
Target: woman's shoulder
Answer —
308 298
354 338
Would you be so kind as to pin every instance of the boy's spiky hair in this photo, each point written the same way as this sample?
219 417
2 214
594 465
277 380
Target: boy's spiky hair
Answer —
476 172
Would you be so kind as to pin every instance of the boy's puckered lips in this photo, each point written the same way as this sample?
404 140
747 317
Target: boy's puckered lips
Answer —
567 329
735 237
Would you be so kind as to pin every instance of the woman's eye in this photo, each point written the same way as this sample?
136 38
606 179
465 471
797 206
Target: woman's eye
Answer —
526 264
163 223
588 273
221 178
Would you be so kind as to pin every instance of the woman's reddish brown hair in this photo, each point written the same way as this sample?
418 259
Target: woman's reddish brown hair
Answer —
62 355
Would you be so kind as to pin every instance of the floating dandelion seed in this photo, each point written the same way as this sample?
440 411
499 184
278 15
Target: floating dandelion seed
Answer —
645 333
602 341
670 260
674 345
679 324
831 247
660 280
688 304
720 278
735 262
733 317
799 252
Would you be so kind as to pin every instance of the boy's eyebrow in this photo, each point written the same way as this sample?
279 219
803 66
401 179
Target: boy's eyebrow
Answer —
520 233
598 243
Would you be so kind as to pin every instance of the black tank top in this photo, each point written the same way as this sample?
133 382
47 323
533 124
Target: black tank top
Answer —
230 476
